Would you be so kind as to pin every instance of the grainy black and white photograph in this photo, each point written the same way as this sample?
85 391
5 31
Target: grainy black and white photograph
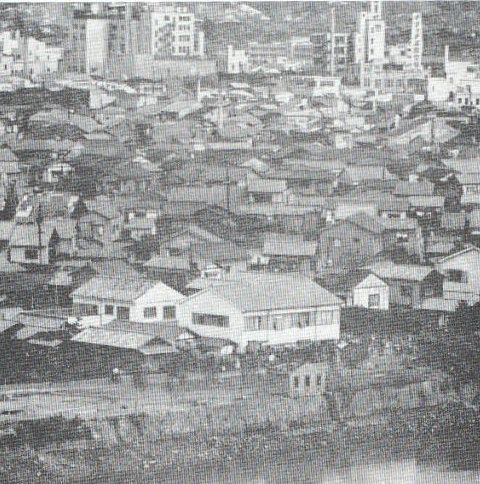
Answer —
240 242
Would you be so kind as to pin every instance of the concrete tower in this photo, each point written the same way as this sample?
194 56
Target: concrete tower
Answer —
416 40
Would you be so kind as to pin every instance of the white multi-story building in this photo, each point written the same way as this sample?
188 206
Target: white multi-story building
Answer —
173 32
27 56
237 61
370 36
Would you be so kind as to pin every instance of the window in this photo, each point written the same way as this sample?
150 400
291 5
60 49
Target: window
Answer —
123 312
295 381
169 313
150 312
88 309
373 300
307 381
406 291
455 275
319 380
31 254
210 320
108 309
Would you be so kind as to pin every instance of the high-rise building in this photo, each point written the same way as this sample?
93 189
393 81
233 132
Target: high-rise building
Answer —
416 41
370 35
99 33
174 33
332 62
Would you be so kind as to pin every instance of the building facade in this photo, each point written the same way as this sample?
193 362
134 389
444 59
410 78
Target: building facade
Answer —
174 33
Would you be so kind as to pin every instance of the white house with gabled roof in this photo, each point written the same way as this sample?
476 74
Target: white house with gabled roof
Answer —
129 299
253 309
462 275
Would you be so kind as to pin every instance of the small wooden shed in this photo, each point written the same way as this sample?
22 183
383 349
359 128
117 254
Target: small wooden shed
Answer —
308 379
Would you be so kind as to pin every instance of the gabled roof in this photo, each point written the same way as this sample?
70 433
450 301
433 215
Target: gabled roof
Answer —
389 270
287 245
393 204
427 201
406 189
122 289
217 252
104 206
453 220
262 292
364 221
7 155
178 263
27 235
470 248
400 223
261 185
469 179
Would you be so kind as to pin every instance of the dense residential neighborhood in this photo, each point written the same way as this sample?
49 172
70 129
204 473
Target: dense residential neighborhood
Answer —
172 207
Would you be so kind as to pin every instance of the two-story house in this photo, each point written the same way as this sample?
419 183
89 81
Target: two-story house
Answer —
347 244
407 235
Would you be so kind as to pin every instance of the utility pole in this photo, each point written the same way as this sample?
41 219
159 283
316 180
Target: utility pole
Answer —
38 221
332 43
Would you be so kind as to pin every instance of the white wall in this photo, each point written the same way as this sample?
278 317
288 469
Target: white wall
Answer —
206 302
96 34
371 285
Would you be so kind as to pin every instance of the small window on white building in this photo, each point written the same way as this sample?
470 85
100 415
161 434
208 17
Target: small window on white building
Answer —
31 254
169 313
123 312
109 309
150 312
373 300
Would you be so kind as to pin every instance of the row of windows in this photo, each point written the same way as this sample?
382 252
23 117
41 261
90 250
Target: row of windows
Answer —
123 312
307 381
290 320
204 319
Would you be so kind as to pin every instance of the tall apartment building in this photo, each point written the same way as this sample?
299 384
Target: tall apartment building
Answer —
396 68
174 33
370 35
332 61
99 33
26 56
416 41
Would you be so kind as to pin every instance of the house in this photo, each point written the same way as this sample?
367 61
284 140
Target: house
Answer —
426 207
139 228
474 225
282 218
347 244
102 220
359 174
454 223
56 172
182 239
407 235
393 207
470 183
263 190
439 310
371 292
217 259
300 177
30 244
263 309
126 298
409 284
289 253
462 277
307 379
413 188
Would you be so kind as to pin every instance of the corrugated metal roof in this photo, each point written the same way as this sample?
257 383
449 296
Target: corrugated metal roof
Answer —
426 201
118 339
260 185
122 289
287 245
389 270
405 188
